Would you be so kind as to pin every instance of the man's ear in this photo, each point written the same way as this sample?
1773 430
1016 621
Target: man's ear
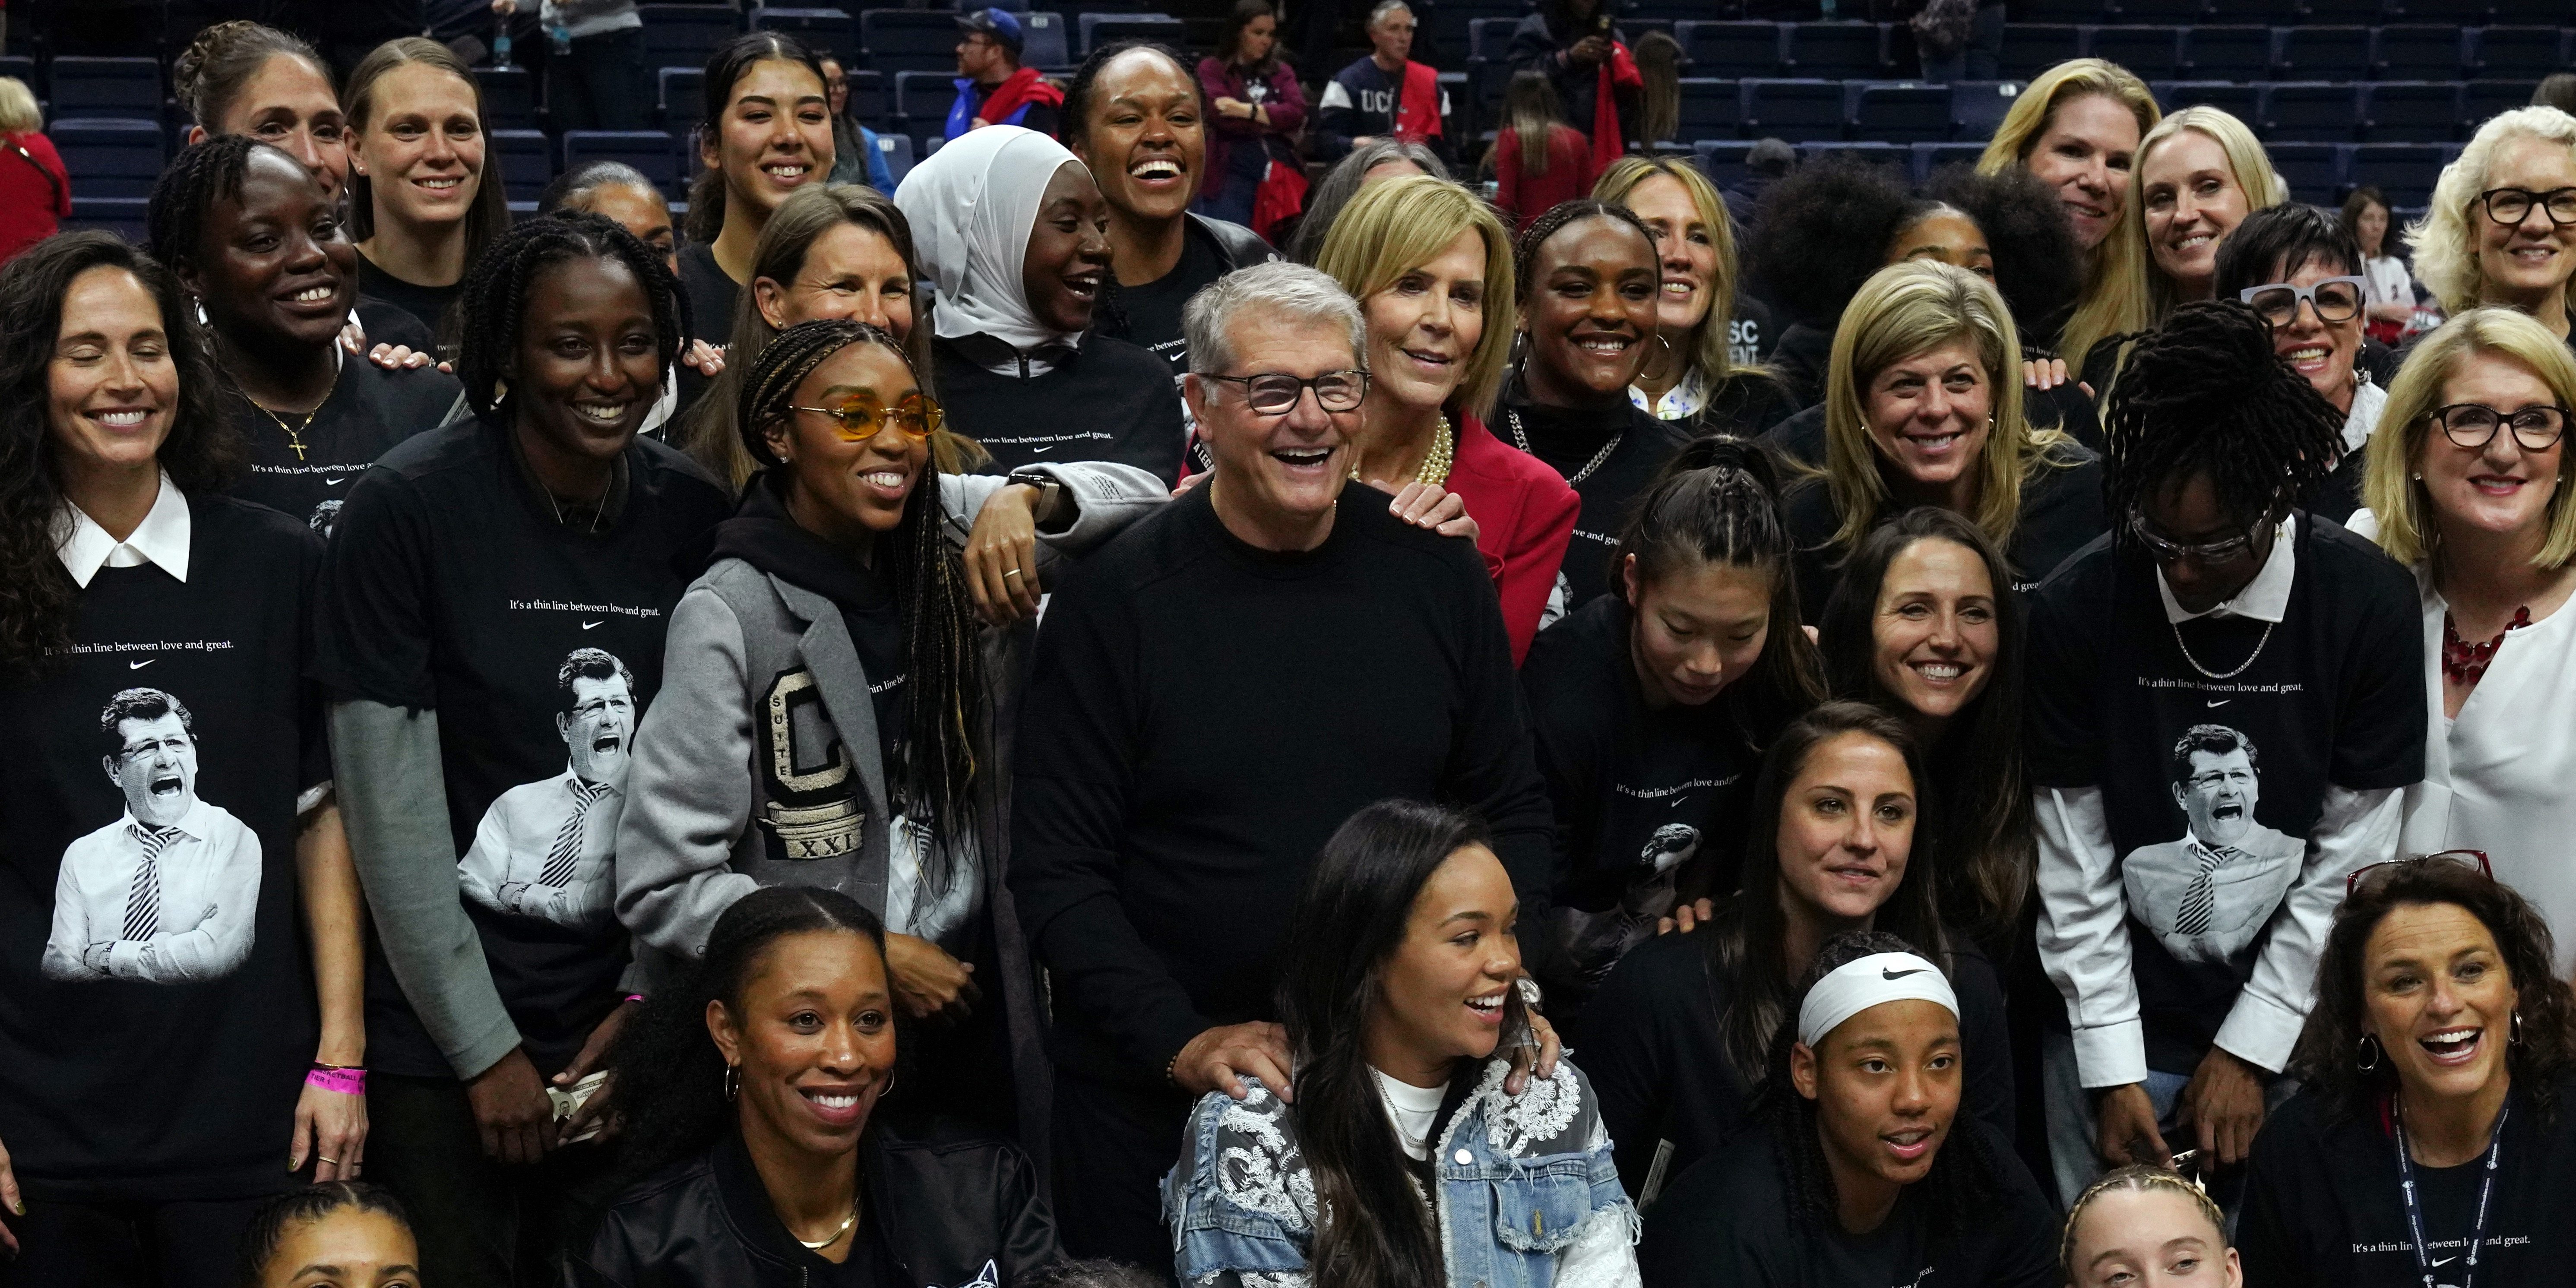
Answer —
1194 393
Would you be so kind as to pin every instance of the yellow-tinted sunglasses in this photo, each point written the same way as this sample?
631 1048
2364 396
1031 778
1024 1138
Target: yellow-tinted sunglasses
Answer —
860 419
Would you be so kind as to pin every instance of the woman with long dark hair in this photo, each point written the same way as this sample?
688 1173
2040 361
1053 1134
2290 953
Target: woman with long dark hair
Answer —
1258 110
174 877
755 1148
1651 705
1402 1162
2433 1127
1859 1169
424 202
1840 836
766 132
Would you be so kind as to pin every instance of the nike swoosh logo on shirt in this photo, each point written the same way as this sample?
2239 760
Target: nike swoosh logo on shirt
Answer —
2222 702
1885 973
137 666
588 625
1048 448
335 482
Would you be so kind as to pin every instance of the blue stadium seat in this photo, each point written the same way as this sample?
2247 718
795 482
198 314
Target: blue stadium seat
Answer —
1722 160
2410 111
108 157
509 97
22 69
1977 107
1635 28
1899 159
2244 102
1730 48
897 150
2517 53
1929 157
1899 113
2031 48
2154 53
1484 99
1046 40
2549 12
650 151
2311 112
525 163
2340 11
921 103
1710 108
818 28
2480 99
2061 10
909 40
2227 53
867 97
682 35
106 87
2403 172
2173 11
1446 24
2324 53
1842 50
2314 171
1489 38
683 97
122 216
2419 51
1100 29
1796 111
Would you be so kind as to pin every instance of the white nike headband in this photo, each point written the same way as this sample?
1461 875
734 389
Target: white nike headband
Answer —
1856 986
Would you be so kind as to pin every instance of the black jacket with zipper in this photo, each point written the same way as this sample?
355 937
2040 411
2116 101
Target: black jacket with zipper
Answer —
946 1210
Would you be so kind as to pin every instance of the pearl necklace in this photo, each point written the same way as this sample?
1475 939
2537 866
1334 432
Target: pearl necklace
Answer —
1435 466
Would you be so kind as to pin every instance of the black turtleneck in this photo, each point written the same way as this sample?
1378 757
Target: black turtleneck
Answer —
761 534
1568 440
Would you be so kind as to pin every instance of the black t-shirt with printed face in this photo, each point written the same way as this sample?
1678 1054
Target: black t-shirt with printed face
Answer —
1154 309
2323 1208
1638 792
451 587
368 411
2332 696
155 1025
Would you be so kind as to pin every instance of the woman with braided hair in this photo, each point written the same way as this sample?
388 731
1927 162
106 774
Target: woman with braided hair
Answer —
1857 1169
490 625
2226 698
836 626
2146 1225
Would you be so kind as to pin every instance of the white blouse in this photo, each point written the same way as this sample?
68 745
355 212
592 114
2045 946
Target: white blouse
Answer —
2497 776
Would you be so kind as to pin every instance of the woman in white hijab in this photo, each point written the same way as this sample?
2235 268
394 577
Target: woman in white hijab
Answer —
1015 234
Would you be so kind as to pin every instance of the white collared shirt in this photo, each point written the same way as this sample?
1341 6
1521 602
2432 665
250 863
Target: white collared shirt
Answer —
208 879
160 540
2266 598
1681 402
2368 401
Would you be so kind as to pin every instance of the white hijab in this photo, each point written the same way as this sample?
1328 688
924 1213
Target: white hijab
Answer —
972 205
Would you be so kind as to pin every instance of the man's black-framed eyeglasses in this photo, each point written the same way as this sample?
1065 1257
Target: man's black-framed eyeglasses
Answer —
1275 393
2336 299
2513 205
2207 552
2474 425
2464 858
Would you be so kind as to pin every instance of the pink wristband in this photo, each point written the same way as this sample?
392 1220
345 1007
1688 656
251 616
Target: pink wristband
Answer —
348 1082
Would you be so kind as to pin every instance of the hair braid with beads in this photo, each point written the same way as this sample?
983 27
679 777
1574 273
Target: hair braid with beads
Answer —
174 221
2205 394
943 699
494 303
2138 1178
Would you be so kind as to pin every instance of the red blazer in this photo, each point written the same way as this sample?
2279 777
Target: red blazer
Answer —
1524 513
33 197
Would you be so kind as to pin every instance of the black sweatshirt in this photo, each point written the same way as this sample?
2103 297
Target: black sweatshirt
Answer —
1106 401
2322 1205
1567 441
1657 1056
1201 715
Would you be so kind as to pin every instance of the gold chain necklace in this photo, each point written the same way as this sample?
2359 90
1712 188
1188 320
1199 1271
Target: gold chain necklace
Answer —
817 1245
295 432
1435 466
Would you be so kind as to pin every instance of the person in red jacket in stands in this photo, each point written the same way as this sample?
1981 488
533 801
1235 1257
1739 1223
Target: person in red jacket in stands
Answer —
35 192
1539 160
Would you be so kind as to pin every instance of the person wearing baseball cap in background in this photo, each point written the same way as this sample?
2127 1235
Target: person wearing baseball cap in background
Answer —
992 87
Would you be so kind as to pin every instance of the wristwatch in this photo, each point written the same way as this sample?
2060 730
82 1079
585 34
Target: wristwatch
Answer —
1050 493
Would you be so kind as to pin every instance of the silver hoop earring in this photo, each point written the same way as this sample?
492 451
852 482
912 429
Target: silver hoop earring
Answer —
2368 1058
2516 1038
732 1082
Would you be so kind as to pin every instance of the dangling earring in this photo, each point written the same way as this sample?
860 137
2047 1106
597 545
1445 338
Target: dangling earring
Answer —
1520 349
732 1081
2368 1059
500 390
2516 1039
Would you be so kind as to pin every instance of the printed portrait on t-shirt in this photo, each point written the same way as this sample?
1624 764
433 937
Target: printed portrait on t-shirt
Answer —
546 849
2207 895
324 515
169 892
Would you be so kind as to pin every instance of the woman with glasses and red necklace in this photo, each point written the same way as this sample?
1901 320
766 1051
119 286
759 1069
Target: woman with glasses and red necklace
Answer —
2433 1142
2302 271
2501 228
2468 490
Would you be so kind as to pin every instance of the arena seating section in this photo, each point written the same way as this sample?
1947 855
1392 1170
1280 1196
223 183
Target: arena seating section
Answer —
2341 91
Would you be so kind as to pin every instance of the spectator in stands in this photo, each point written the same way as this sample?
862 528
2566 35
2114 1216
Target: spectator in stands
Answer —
622 194
2077 127
2297 266
1010 228
856 158
1355 659
759 1139
1364 165
1766 163
2476 466
1135 116
1659 103
1431 267
767 132
2140 1220
1385 95
1857 1168
1958 39
595 81
336 1234
2389 315
1923 626
1579 46
1539 160
239 77
992 87
1701 370
253 240
2489 237
2200 172
1588 276
1259 111
1399 990
2558 90
2435 1114
1651 705
36 194
2191 848
419 207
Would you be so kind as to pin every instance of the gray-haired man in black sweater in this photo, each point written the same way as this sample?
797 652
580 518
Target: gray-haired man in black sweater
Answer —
1213 693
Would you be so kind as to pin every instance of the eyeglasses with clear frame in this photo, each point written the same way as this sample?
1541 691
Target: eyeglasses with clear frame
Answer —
2474 425
2464 858
2204 554
2336 299
859 419
1275 393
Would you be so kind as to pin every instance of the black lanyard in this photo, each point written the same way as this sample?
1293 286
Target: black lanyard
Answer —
2415 1213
